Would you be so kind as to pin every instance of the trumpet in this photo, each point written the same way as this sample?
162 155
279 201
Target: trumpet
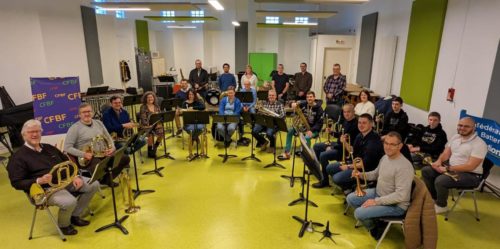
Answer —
300 123
128 194
97 146
428 161
358 162
64 174
379 122
345 145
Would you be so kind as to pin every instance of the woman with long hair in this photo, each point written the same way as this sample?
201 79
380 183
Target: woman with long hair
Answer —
148 108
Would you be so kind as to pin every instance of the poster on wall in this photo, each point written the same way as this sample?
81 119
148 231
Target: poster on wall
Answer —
489 131
55 103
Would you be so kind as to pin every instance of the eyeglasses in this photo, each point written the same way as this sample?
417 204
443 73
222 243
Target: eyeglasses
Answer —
34 132
391 144
86 112
464 126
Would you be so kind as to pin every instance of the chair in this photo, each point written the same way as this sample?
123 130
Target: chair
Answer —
49 213
487 165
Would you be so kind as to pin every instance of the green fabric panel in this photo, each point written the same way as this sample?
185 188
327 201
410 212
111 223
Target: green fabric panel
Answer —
422 51
141 28
263 64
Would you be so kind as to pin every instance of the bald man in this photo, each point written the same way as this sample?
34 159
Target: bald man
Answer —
198 77
465 152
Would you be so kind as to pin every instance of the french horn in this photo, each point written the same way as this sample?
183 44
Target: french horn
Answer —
97 146
62 175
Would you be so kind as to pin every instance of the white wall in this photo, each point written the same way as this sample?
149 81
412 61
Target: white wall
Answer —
40 40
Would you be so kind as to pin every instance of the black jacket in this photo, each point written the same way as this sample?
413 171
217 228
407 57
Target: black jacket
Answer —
369 148
396 122
316 119
200 80
197 105
432 141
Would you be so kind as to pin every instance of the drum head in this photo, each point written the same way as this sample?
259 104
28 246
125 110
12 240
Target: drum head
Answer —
214 100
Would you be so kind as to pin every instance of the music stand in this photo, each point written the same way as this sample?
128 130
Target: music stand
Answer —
195 118
249 118
133 141
101 169
167 116
262 95
167 105
245 97
304 172
314 168
156 170
291 177
278 125
226 120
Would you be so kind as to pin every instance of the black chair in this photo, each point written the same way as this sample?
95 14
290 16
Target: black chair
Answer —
487 165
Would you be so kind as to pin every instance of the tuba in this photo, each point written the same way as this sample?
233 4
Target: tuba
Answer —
97 146
300 123
128 194
62 175
358 162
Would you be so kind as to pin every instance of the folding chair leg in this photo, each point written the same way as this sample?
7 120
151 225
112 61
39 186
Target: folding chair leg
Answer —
346 208
383 234
454 205
99 190
475 205
33 224
61 235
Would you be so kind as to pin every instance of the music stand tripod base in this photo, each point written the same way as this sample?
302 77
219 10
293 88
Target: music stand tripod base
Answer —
155 171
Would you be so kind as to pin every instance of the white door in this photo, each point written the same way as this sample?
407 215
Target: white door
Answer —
333 56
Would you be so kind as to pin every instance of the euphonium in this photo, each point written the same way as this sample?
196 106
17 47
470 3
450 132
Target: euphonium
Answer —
358 162
267 112
62 175
97 147
128 194
299 121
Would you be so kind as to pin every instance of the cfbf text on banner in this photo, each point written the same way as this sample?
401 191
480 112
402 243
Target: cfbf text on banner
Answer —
55 103
489 131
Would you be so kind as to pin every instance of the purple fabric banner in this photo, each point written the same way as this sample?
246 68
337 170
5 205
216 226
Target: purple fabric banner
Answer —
55 103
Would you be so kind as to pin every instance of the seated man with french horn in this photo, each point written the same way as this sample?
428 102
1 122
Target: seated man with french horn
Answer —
89 141
34 163
367 146
274 108
391 197
117 120
309 118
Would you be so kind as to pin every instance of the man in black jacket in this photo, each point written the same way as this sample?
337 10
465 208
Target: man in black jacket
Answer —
366 146
32 163
396 120
198 77
431 141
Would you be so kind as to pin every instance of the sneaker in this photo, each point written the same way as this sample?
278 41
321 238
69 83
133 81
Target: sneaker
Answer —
440 210
284 156
69 230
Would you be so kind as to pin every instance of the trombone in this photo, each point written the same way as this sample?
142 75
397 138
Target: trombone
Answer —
358 162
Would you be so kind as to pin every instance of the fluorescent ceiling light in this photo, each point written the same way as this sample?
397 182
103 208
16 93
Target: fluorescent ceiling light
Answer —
305 24
125 9
181 27
235 23
216 4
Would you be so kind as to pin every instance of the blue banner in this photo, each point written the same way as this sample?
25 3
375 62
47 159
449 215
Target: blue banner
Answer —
55 103
489 131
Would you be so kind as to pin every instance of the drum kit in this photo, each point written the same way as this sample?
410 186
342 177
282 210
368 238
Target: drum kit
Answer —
213 94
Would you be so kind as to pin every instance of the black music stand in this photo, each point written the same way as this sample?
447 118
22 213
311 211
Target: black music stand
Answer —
156 170
226 120
195 118
249 118
314 168
167 105
278 125
101 169
245 97
291 177
262 95
133 141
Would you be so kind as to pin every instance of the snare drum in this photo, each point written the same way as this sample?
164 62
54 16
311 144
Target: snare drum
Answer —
213 97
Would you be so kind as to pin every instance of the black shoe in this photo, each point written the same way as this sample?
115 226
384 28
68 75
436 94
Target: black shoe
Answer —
320 185
298 153
151 154
77 221
178 132
377 232
227 143
112 184
69 230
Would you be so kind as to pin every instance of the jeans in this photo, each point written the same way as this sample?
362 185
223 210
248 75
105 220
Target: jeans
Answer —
324 156
341 178
222 131
368 215
260 139
439 184
190 128
289 136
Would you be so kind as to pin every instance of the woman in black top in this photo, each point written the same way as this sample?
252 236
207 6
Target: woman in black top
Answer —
193 103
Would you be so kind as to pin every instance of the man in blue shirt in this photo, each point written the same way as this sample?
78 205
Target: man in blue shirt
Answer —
116 119
226 79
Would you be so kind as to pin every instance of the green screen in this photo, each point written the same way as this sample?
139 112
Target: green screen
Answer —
141 28
263 64
422 51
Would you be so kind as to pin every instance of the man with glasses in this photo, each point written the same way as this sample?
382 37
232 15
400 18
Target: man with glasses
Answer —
463 157
116 119
198 77
367 146
391 197
303 82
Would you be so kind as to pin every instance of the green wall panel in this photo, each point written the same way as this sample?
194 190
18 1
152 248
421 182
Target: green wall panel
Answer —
422 51
142 32
263 64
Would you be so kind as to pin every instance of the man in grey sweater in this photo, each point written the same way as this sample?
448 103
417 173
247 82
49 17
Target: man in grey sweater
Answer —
391 197
81 134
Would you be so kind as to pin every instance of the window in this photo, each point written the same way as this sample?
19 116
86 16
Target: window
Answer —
98 10
120 14
197 13
272 19
301 19
168 13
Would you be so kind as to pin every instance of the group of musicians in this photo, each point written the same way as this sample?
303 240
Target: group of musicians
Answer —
386 153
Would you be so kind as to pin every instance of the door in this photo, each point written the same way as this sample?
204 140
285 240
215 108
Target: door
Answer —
333 56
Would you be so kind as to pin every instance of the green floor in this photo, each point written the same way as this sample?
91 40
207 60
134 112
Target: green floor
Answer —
208 204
